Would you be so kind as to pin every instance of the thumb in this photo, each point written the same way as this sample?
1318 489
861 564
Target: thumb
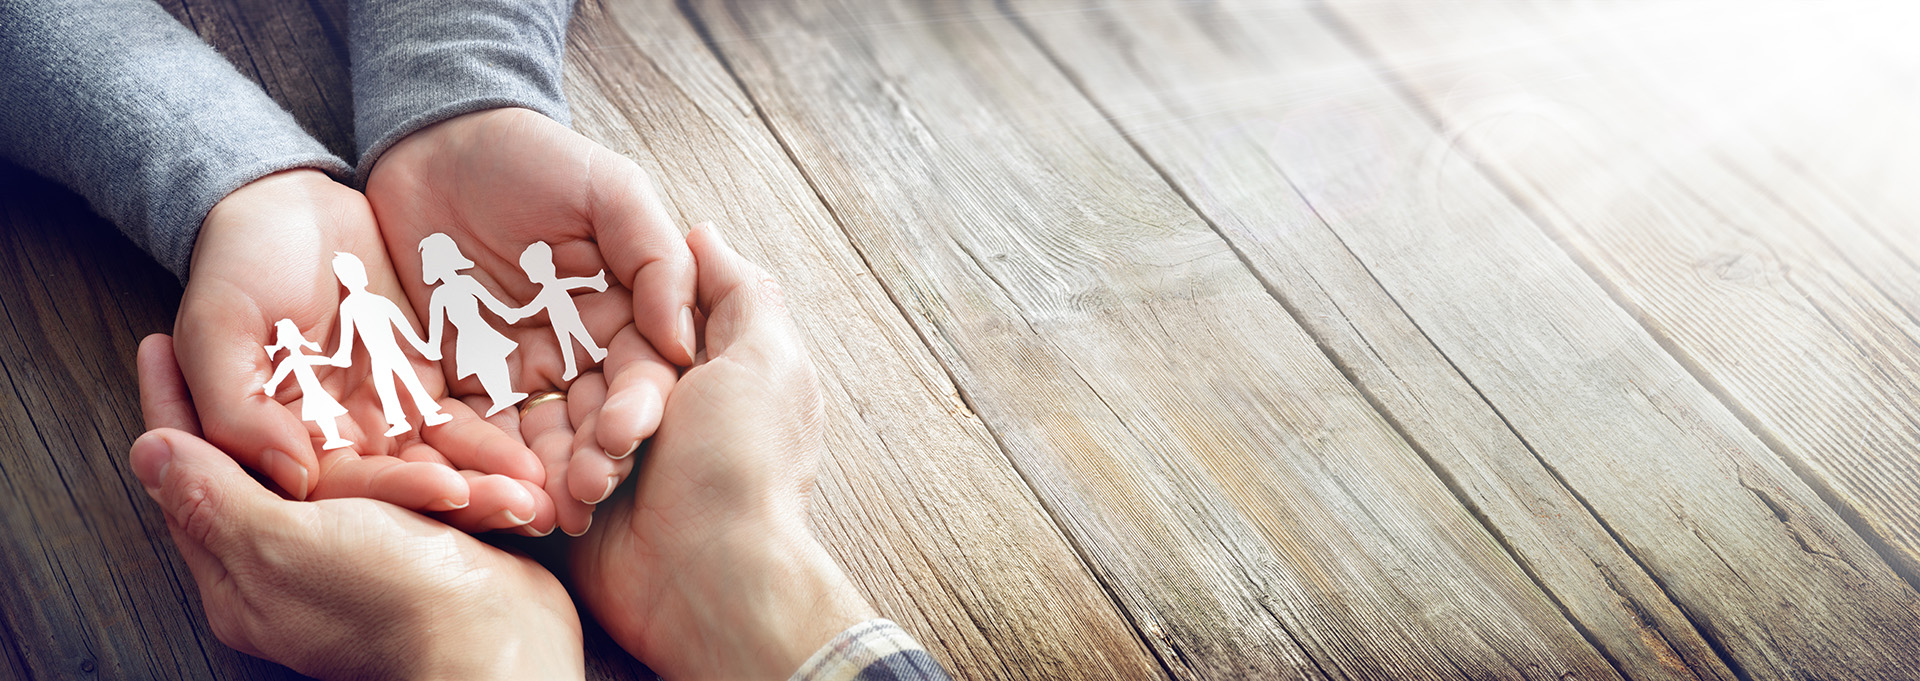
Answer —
740 299
202 491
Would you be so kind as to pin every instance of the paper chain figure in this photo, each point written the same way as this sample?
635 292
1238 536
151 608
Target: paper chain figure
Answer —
479 349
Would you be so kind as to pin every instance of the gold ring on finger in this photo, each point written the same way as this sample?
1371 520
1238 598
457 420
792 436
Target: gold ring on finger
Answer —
540 398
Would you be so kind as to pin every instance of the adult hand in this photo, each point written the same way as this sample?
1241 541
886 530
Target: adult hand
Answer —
263 255
342 588
708 568
496 182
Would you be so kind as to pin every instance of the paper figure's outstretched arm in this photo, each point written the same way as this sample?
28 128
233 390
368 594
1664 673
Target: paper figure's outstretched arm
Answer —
281 372
431 352
498 307
344 356
596 282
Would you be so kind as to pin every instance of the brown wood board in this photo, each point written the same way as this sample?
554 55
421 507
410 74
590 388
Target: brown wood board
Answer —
1220 97
1248 507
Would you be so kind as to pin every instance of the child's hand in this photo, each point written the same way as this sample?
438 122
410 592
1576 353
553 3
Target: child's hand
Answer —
262 256
496 182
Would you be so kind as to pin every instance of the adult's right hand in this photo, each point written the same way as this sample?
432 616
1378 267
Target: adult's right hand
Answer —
263 255
708 568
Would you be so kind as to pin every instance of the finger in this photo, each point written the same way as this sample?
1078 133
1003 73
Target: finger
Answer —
591 474
213 501
545 513
164 400
499 502
507 420
646 251
738 298
225 369
576 509
547 426
472 443
637 384
412 485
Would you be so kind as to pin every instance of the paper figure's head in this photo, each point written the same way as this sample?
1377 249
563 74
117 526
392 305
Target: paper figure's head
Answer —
350 271
440 258
287 335
537 262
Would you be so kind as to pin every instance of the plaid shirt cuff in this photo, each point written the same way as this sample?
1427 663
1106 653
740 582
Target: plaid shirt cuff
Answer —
874 650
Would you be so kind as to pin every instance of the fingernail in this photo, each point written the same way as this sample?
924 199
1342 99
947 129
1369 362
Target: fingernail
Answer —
630 450
511 519
282 468
448 505
583 528
686 330
612 482
715 233
529 531
151 456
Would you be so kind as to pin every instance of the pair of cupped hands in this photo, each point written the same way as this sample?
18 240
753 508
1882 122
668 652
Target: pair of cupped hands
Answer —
360 564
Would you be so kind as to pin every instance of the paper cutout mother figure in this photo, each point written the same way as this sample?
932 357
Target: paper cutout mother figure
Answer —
537 262
376 318
316 404
478 349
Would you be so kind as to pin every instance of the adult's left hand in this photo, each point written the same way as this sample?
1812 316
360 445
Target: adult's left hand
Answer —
342 588
497 181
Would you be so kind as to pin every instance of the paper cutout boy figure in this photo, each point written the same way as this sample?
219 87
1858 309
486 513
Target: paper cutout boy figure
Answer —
479 349
376 318
316 404
537 262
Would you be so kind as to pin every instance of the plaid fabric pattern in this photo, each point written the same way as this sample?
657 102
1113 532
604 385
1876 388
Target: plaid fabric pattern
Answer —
874 650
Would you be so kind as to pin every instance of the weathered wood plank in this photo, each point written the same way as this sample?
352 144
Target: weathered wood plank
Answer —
1207 92
1764 567
1819 345
91 582
1250 510
916 500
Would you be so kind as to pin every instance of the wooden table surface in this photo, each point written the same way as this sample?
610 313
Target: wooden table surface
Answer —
1230 339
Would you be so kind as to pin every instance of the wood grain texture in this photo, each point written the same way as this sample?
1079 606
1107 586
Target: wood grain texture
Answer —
1816 339
89 582
916 501
1213 94
1246 505
1764 567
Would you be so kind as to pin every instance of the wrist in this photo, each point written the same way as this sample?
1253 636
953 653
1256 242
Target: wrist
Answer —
783 599
256 203
526 648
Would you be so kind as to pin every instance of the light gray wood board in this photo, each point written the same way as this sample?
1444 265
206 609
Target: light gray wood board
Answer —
915 498
1819 344
1207 91
1764 567
1243 501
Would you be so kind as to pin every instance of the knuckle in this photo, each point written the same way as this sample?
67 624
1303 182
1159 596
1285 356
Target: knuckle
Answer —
196 510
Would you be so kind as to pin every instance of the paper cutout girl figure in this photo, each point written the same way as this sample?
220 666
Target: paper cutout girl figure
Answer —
376 318
316 404
479 349
537 262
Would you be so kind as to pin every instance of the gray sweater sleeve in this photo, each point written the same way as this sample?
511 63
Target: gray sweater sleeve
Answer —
419 62
118 101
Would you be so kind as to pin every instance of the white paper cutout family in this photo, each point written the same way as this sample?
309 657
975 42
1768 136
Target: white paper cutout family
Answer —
479 349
